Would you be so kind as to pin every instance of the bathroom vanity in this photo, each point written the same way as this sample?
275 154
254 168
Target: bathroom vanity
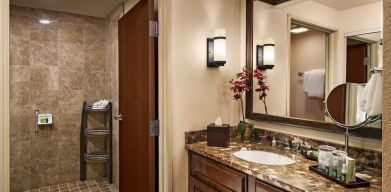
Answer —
207 174
216 169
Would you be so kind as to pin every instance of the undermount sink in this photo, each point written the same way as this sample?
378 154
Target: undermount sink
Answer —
263 157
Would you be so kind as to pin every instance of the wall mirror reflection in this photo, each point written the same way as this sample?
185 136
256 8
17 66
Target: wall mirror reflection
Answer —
318 45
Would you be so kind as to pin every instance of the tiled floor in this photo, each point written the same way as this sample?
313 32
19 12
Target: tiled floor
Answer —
99 185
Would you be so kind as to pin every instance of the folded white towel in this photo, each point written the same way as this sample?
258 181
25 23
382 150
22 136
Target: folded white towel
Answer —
100 104
313 83
377 99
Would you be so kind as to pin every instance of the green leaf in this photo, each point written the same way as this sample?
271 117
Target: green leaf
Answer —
240 128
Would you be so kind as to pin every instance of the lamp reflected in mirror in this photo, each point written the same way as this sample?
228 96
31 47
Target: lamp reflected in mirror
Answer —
265 56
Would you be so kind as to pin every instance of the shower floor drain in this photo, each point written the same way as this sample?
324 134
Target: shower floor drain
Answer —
99 185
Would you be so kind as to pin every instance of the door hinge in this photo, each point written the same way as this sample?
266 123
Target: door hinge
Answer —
154 128
367 60
154 28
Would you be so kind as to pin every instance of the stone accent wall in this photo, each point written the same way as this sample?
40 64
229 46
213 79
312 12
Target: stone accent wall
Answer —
387 99
53 68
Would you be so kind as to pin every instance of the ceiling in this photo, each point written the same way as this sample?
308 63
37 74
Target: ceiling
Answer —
345 4
96 8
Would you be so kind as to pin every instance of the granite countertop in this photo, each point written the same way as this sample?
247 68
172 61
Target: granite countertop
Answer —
294 177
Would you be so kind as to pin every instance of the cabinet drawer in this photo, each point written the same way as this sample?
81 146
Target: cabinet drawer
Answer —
196 185
264 187
209 170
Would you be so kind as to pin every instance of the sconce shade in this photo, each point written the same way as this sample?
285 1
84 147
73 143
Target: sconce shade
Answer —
268 54
265 57
216 55
219 45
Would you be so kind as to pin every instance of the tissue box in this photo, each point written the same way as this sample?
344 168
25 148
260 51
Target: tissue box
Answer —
218 135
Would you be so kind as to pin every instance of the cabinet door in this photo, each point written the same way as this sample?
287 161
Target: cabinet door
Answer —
263 187
225 178
196 185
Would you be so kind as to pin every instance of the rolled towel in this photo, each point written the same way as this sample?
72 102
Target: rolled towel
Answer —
377 99
366 102
360 114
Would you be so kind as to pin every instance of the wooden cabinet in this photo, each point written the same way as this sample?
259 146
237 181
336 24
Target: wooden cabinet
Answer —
207 175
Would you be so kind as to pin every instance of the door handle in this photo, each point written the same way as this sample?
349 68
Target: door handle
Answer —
118 117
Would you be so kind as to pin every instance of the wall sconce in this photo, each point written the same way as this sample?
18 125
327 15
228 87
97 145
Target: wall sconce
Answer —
265 57
216 49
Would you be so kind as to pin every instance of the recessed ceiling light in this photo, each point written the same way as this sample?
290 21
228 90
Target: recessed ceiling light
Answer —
299 30
45 21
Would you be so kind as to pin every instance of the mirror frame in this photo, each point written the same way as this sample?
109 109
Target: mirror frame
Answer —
364 132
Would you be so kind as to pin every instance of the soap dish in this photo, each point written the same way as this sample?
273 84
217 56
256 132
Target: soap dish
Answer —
359 182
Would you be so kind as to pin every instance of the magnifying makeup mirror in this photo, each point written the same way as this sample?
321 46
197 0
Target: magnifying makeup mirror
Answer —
352 106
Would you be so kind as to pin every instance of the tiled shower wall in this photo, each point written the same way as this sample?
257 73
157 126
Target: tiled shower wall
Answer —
53 68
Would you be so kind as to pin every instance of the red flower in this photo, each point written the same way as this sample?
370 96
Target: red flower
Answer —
240 84
260 76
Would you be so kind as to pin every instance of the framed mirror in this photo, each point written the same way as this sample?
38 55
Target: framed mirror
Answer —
316 45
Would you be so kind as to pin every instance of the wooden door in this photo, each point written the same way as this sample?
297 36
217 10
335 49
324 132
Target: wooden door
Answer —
137 100
356 70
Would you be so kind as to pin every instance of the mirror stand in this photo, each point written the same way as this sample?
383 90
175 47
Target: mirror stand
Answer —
375 120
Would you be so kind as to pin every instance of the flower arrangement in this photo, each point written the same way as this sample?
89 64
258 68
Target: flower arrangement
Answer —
262 87
239 86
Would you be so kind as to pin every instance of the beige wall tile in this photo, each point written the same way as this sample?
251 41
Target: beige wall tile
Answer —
41 32
43 53
20 179
44 173
19 22
70 33
21 52
20 155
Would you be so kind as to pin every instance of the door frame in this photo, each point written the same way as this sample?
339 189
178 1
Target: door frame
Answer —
164 97
331 54
345 43
4 96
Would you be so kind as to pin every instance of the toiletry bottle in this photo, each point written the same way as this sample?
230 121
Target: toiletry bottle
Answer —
327 166
335 167
274 142
331 167
343 173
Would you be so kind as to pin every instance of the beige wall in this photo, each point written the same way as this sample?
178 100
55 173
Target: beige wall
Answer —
200 94
275 30
387 99
307 53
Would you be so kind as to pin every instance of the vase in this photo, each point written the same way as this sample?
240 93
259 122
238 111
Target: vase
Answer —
247 133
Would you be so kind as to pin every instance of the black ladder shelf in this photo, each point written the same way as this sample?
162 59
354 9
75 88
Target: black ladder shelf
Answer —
105 132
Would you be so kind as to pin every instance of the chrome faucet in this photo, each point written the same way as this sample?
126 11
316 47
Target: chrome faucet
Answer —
287 145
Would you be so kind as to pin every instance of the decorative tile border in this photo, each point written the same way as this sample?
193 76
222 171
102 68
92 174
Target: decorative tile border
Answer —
99 185
364 157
